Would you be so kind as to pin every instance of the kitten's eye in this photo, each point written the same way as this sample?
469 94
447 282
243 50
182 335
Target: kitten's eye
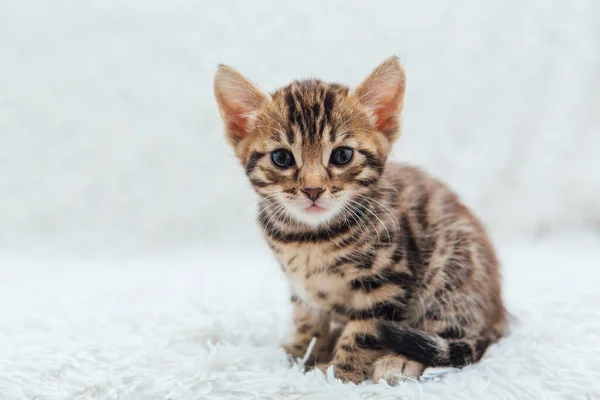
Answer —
341 156
283 158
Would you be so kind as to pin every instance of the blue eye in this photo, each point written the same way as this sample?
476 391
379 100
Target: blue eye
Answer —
341 156
283 158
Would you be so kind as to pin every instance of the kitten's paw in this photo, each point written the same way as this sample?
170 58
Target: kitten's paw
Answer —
349 375
294 350
344 373
394 368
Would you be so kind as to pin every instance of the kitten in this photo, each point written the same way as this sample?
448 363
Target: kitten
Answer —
388 269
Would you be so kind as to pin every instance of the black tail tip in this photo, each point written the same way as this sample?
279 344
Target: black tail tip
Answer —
408 342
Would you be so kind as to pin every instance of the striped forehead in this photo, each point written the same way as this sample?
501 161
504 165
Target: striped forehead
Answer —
309 110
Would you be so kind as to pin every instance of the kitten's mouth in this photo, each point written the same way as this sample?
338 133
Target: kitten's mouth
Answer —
314 209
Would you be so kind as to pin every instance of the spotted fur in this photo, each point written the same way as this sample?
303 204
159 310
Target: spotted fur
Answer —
394 274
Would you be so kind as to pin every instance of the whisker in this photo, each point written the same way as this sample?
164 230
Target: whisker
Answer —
357 210
375 215
276 214
362 226
270 216
281 213
269 207
386 209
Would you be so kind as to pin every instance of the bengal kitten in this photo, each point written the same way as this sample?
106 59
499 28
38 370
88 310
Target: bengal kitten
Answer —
389 270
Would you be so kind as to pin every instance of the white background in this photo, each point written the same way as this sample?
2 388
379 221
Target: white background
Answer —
130 264
110 142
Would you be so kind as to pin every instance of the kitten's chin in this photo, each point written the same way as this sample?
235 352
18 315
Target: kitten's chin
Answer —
315 209
313 215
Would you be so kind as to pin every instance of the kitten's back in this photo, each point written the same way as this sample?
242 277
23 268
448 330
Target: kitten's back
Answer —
443 224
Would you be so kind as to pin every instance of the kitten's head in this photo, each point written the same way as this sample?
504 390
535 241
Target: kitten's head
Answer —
313 148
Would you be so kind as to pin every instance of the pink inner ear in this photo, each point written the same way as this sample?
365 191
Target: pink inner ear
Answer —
238 126
389 105
238 99
384 122
237 120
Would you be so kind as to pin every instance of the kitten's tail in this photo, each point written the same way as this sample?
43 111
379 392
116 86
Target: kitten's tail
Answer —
433 350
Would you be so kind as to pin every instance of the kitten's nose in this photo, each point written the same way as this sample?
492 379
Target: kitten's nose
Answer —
313 193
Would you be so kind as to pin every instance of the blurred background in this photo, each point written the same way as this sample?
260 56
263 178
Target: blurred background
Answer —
130 262
111 144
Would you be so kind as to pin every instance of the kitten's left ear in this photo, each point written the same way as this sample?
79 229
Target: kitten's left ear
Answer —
238 101
382 93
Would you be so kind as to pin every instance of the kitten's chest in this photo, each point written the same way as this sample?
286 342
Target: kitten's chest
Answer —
313 280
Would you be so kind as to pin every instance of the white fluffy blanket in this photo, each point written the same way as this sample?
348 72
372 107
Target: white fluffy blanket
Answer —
206 326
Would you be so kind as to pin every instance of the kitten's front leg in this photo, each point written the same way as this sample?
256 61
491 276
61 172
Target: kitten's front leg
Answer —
356 351
308 323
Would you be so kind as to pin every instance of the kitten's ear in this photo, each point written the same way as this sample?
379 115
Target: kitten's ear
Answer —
238 101
382 92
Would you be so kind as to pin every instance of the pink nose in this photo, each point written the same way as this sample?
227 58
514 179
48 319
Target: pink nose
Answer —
312 193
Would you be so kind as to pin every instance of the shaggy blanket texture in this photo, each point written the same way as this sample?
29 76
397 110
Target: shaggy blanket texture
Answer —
111 145
206 326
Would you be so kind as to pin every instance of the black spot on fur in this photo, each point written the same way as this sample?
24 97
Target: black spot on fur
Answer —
272 176
308 113
399 254
434 314
367 182
453 332
386 241
420 210
341 261
366 341
339 309
289 134
258 183
327 234
345 367
367 262
328 103
383 310
386 277
412 250
254 158
317 120
372 160
290 104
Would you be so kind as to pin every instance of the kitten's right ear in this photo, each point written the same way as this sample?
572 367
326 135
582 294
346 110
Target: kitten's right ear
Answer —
238 101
